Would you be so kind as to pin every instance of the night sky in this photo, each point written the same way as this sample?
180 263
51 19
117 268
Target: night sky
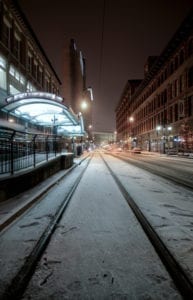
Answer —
115 52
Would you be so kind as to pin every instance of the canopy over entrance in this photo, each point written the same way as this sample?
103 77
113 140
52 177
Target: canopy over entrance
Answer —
47 110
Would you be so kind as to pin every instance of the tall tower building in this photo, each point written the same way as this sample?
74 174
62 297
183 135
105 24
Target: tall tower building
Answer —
74 90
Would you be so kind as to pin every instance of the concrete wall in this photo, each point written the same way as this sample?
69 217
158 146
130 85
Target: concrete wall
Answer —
18 183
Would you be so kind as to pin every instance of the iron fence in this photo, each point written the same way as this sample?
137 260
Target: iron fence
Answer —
20 150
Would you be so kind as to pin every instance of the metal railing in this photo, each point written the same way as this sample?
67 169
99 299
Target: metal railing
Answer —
20 150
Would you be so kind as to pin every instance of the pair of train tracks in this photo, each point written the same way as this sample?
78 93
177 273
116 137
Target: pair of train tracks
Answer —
18 284
157 169
16 287
179 276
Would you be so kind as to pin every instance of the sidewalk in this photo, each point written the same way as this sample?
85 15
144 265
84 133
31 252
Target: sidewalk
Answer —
14 207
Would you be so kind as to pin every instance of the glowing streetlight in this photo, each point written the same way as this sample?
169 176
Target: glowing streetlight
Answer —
84 105
115 136
131 120
158 128
169 128
11 120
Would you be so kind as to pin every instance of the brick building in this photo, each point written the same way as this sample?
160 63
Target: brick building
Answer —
156 113
24 66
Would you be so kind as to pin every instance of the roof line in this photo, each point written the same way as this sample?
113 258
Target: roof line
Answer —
26 22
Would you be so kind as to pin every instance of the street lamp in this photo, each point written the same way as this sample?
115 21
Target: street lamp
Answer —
84 105
11 120
54 120
165 132
169 129
90 132
131 120
158 128
115 136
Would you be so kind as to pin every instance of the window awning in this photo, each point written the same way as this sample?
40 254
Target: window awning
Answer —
45 109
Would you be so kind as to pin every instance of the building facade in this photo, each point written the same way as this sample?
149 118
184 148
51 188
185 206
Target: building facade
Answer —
74 90
156 114
24 66
123 111
102 138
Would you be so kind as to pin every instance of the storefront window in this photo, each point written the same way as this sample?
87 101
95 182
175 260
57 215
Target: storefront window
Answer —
3 81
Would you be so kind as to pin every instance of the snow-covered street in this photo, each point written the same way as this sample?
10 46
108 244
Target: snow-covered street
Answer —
99 250
168 207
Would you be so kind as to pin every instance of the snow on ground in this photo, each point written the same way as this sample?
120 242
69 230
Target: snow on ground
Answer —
17 242
168 207
99 250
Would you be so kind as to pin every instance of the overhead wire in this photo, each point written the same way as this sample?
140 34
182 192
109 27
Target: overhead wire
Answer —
102 47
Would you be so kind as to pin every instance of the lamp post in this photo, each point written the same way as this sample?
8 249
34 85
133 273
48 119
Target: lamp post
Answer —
84 105
164 140
86 113
115 136
90 134
131 120
169 129
165 132
54 120
158 128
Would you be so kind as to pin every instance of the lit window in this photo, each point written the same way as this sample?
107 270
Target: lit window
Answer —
2 62
13 90
30 87
3 81
16 74
12 71
3 78
22 79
